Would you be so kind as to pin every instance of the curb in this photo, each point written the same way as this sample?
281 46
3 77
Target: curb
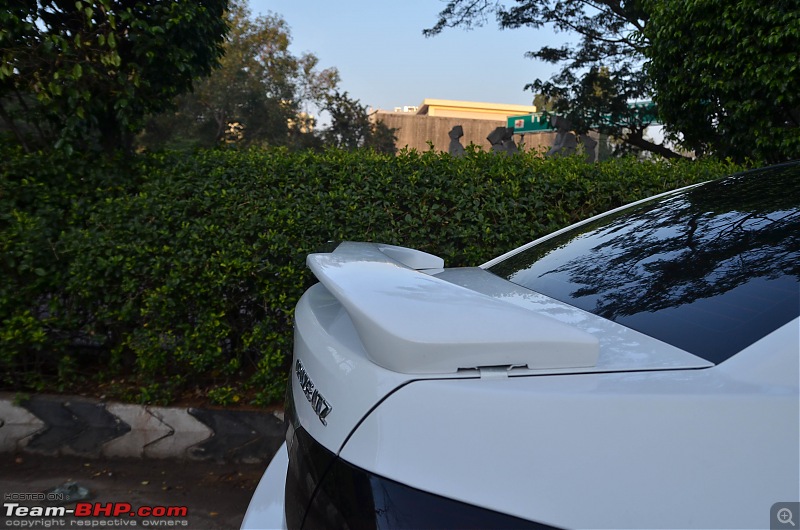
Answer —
58 425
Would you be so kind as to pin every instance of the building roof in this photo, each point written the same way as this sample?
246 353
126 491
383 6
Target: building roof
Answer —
430 106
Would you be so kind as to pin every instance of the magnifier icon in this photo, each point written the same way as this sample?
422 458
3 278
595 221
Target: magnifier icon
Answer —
785 516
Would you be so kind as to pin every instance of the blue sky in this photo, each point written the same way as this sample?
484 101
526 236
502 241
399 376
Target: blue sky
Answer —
384 60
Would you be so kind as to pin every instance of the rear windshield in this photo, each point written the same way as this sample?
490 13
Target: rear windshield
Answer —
709 270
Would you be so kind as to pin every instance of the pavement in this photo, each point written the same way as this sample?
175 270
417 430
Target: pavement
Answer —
58 425
84 455
215 496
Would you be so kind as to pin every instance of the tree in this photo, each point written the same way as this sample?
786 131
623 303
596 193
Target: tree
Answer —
84 73
727 76
259 95
599 75
351 126
724 74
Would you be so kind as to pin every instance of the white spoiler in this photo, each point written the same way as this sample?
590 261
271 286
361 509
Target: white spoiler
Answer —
415 323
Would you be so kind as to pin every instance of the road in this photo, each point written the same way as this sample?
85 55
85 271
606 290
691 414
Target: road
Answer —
214 496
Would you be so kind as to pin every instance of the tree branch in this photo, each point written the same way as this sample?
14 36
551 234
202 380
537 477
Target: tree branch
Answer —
452 16
636 139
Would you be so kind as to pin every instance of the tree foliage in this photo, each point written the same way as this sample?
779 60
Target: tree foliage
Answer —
727 75
724 73
84 73
599 75
258 95
351 126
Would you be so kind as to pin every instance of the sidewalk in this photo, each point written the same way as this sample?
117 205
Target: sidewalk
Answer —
58 425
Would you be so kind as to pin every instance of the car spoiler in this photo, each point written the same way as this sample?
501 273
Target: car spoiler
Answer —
412 322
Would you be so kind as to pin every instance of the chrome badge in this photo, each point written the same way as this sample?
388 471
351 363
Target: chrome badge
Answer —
320 405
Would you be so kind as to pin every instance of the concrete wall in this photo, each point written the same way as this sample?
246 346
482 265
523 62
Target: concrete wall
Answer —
414 131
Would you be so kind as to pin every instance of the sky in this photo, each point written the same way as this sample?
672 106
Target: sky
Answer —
385 62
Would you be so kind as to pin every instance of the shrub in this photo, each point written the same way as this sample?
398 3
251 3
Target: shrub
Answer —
42 196
183 271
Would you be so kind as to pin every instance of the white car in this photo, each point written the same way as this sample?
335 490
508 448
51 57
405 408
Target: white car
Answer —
636 370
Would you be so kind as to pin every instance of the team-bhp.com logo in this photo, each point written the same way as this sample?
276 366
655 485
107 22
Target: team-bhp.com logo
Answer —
88 514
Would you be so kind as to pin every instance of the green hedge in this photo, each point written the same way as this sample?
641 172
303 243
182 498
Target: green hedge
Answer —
43 197
175 273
